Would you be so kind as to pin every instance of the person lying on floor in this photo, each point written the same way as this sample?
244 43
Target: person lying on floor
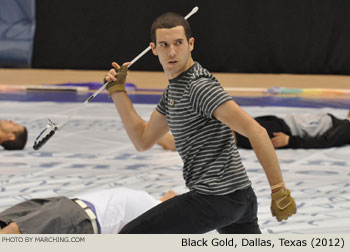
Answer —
303 131
13 136
101 212
296 131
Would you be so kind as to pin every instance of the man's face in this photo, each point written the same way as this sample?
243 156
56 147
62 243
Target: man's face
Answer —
10 127
173 50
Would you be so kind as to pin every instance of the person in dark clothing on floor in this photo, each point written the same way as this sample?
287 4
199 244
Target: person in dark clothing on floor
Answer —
304 131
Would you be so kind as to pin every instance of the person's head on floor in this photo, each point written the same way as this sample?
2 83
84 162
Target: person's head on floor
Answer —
173 43
13 136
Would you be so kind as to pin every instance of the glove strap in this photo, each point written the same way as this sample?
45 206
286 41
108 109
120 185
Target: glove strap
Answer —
277 186
281 203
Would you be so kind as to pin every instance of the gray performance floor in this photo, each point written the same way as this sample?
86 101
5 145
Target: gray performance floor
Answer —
93 152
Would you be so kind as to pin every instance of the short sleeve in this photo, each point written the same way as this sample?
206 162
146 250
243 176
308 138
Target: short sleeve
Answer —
161 107
206 96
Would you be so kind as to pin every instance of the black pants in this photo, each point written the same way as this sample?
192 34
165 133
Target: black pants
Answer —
194 213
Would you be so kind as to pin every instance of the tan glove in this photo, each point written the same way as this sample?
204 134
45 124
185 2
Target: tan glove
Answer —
282 204
119 84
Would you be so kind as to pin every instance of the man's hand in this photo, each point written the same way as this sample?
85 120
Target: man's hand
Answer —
279 140
282 204
116 78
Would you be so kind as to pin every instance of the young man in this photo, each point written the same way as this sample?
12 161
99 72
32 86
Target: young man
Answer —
201 117
12 135
102 212
317 130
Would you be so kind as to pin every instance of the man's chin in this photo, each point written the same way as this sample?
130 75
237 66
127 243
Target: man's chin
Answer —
171 69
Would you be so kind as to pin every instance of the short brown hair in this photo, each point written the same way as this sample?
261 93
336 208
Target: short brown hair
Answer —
170 20
18 143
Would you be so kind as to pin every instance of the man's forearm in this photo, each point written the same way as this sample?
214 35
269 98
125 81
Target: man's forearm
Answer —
133 123
266 155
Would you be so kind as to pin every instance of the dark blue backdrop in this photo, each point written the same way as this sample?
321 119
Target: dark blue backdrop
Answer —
17 26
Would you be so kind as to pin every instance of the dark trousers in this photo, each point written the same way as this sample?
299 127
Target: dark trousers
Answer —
194 213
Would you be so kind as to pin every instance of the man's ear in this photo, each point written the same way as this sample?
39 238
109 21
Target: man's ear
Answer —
154 49
191 44
11 137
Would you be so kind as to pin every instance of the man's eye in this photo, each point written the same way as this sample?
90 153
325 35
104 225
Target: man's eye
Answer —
163 44
179 42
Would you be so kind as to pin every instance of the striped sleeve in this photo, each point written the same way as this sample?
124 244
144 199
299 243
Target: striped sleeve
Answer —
161 107
206 96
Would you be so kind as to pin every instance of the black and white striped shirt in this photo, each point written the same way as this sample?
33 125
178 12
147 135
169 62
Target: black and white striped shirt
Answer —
212 164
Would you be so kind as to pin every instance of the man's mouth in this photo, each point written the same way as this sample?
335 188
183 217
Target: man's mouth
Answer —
172 61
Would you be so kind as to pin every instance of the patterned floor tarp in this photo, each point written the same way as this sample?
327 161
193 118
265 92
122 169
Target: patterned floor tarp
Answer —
92 152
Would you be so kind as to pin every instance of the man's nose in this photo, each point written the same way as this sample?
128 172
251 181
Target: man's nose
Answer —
172 51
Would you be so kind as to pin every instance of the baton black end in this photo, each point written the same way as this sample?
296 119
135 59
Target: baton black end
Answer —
39 144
